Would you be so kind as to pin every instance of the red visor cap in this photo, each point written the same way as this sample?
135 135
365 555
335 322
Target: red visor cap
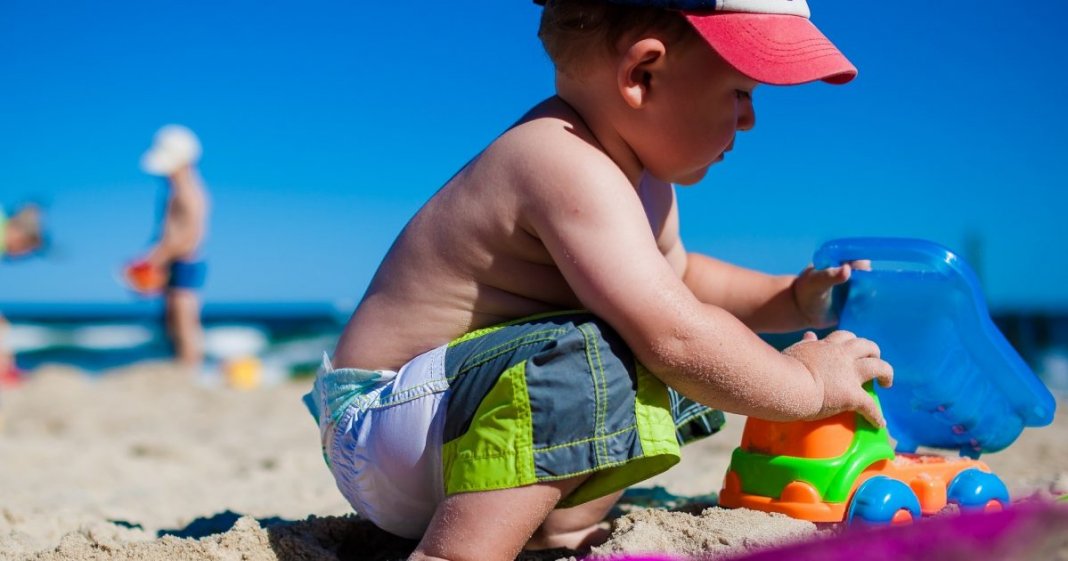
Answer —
774 48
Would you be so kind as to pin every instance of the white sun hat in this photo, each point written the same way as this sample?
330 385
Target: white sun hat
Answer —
173 147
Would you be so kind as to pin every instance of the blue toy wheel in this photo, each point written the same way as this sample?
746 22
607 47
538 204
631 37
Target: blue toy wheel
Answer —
972 489
879 499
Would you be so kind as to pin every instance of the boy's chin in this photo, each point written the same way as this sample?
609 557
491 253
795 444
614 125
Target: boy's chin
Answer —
691 178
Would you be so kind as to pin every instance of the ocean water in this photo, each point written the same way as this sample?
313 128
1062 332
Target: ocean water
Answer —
288 339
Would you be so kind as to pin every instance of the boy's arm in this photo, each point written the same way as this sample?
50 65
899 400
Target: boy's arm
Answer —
765 303
183 221
591 221
769 303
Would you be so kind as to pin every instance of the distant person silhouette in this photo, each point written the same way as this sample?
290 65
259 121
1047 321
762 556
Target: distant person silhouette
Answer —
21 234
173 265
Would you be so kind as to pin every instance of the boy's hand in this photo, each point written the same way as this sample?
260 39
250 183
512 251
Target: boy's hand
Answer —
840 364
812 291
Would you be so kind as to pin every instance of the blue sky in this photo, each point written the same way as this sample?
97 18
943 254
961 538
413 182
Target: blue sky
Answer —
326 124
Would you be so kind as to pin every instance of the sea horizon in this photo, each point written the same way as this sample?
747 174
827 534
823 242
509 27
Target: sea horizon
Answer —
148 308
288 337
292 335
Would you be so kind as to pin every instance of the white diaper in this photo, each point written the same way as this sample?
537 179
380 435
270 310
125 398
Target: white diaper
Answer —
382 437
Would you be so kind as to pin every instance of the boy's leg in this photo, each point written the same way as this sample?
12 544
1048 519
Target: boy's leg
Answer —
183 321
458 531
562 395
578 527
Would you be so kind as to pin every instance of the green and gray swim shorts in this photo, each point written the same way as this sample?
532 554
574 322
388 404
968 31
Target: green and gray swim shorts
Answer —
538 399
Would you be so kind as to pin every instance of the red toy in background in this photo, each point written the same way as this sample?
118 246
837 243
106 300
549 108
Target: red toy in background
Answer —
144 278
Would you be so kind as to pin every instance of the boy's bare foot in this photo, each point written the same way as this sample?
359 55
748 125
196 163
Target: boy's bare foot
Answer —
584 538
457 530
579 527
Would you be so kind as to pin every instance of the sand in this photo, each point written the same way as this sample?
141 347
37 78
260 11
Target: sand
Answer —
142 464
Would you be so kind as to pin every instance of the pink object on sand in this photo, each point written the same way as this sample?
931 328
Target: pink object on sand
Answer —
1025 531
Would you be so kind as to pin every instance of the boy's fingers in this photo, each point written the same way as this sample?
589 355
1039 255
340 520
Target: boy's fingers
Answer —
871 412
863 348
840 336
878 370
886 374
832 275
823 279
861 264
809 336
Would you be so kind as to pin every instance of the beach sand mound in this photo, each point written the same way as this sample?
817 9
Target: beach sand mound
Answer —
247 540
145 464
715 533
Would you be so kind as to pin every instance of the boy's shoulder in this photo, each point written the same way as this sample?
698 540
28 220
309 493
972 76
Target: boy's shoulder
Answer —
551 150
553 178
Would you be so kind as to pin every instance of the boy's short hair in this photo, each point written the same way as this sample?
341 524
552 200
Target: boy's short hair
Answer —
573 29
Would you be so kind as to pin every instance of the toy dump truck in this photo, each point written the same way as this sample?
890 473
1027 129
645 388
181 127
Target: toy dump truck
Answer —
958 385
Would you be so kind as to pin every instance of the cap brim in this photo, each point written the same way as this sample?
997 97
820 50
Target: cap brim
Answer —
774 49
159 161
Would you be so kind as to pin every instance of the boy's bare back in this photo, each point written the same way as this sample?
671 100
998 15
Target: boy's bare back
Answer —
473 257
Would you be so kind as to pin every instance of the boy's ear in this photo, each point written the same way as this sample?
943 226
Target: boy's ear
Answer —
637 68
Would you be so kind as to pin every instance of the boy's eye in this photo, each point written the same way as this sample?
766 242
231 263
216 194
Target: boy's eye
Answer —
742 94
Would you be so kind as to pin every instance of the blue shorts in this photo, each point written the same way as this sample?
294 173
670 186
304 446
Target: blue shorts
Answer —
538 399
187 274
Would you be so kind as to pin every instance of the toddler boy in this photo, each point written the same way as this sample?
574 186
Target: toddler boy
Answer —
468 407
21 235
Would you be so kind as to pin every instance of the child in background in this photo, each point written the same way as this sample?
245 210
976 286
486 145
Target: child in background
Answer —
468 408
21 235
173 264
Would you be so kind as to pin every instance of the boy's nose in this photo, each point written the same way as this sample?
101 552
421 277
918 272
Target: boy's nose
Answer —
746 115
